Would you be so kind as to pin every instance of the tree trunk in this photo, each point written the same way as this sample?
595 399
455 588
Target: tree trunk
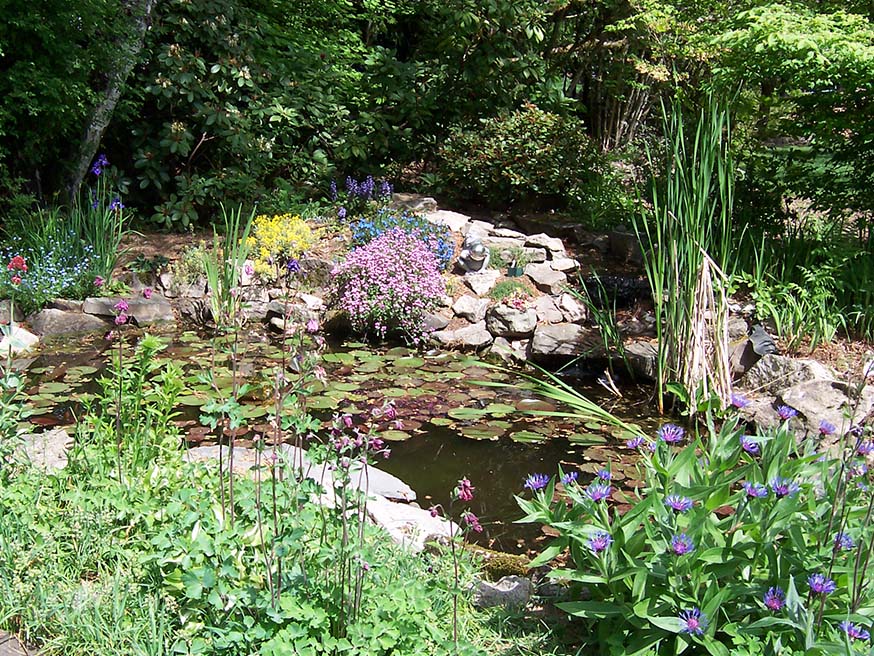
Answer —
130 43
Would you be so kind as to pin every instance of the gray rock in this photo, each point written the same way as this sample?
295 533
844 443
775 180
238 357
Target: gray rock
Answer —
775 372
471 308
313 302
4 312
503 242
826 400
17 340
572 309
436 321
316 271
10 645
552 244
511 592
45 451
481 282
409 526
564 264
507 232
482 228
455 221
50 322
535 255
506 321
474 336
545 278
625 246
144 311
763 343
738 328
742 357
413 202
643 359
511 352
66 305
547 310
294 311
565 339
174 289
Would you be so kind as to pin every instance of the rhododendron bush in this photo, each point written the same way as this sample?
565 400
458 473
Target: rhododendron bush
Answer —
389 285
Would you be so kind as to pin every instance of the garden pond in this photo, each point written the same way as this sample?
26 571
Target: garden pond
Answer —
454 421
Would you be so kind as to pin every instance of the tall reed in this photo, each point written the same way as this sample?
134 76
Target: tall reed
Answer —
686 245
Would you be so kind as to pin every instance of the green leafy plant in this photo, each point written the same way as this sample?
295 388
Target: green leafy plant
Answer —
223 266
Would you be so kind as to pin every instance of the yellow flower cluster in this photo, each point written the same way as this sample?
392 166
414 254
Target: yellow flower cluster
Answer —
277 239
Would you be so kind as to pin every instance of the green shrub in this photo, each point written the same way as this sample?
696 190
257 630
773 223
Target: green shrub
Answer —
530 156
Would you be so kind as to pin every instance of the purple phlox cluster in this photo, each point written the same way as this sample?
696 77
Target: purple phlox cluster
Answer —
99 164
604 474
570 477
312 326
536 482
821 584
598 491
853 631
750 445
292 266
464 491
682 544
784 487
600 541
844 542
671 433
865 448
121 306
786 412
755 490
472 522
739 401
774 599
390 283
694 622
827 428
678 503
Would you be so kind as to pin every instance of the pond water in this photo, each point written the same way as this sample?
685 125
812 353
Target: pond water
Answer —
454 423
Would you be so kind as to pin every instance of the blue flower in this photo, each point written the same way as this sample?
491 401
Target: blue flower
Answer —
682 544
754 490
570 477
749 445
598 491
784 487
827 428
786 412
678 503
694 622
739 401
604 474
99 164
536 482
844 542
333 190
774 599
853 631
600 541
671 433
821 584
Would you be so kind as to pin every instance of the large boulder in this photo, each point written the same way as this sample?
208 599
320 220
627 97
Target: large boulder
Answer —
553 244
471 308
409 526
546 278
46 451
547 311
5 307
144 311
504 320
455 221
50 322
642 357
474 336
564 339
481 282
776 372
827 400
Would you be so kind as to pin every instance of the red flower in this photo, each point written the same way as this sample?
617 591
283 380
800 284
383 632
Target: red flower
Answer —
16 280
17 263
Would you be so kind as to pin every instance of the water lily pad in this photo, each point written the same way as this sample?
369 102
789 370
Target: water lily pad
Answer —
322 403
499 409
82 370
342 358
481 432
586 438
441 421
529 405
408 362
53 388
398 351
464 414
394 392
191 401
527 437
345 387
395 435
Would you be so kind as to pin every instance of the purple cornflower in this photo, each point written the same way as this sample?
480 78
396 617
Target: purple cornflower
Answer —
671 433
604 474
755 490
682 544
570 477
739 401
857 468
121 306
853 631
679 504
821 584
636 442
536 482
786 412
694 622
750 445
464 491
774 599
865 448
844 542
598 491
827 428
600 541
784 487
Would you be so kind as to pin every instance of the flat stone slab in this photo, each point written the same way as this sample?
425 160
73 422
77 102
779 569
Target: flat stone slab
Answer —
471 308
546 278
46 451
553 244
145 311
409 526
10 646
455 221
16 340
566 339
481 282
52 321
